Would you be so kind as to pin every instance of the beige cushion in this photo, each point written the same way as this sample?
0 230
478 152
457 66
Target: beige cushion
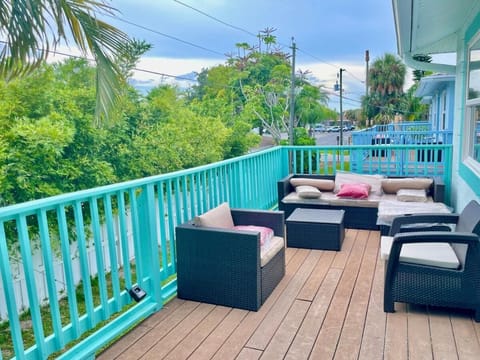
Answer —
320 184
375 181
391 186
412 195
219 217
268 251
308 192
431 254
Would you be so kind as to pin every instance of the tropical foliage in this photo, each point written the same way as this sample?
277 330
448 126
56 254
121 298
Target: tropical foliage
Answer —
386 80
34 28
50 144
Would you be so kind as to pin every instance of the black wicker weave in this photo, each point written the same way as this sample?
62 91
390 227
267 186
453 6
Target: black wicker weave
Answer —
356 217
222 266
429 285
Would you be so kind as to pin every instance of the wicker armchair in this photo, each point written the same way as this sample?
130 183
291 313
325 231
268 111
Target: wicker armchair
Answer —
432 285
223 266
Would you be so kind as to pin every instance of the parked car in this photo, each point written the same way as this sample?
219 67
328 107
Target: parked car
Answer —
319 128
333 129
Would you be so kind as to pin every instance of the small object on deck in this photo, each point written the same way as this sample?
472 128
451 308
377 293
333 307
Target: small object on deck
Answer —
137 293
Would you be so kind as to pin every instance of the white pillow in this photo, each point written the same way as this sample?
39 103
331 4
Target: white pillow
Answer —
219 217
308 192
412 195
375 181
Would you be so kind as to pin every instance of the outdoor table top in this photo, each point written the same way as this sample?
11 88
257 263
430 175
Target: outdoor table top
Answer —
321 216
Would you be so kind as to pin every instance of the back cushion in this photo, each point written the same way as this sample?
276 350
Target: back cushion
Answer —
320 184
391 186
219 217
375 181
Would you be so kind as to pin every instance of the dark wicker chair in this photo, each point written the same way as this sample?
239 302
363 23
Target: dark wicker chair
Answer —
429 285
222 266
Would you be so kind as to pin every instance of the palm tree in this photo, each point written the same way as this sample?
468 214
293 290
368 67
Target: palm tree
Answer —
33 29
387 75
386 79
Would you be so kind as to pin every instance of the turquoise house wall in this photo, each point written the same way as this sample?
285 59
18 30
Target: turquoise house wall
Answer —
465 181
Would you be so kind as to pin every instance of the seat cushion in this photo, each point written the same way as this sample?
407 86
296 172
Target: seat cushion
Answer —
431 254
269 250
266 234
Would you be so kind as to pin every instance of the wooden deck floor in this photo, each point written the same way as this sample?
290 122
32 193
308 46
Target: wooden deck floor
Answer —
328 306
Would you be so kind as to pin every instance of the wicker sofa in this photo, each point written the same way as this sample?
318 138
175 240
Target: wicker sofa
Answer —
225 266
359 214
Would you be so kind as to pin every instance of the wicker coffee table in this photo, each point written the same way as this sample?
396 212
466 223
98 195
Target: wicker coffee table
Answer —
315 229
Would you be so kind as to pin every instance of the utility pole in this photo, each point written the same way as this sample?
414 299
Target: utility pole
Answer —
367 59
292 96
292 108
341 109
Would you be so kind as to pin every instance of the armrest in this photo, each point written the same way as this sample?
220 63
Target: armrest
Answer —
438 190
434 237
218 266
402 220
272 219
284 187
216 244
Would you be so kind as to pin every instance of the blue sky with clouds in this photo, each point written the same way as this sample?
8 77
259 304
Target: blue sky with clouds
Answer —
329 34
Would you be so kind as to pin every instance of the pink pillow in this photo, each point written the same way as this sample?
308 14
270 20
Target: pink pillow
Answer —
354 191
266 234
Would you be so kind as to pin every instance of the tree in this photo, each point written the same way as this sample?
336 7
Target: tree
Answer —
386 79
32 29
412 106
418 74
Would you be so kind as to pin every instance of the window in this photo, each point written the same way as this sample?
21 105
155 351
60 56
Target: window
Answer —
471 141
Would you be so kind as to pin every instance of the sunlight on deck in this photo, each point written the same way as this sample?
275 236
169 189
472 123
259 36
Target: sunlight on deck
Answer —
329 305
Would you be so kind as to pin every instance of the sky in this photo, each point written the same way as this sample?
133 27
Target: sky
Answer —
329 35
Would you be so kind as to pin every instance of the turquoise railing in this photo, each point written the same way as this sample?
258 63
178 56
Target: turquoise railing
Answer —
125 233
409 133
389 160
94 245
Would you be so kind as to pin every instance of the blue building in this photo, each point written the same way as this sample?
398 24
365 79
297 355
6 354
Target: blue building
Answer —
438 91
433 27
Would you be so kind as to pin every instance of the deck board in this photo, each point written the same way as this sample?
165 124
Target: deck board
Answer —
329 305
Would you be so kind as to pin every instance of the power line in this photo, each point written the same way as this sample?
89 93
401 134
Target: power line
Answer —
92 60
255 35
166 35
216 19
224 22
317 58
352 75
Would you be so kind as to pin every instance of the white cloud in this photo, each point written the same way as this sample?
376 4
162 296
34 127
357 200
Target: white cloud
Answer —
169 66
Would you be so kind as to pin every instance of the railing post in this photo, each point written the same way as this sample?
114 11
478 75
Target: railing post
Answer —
149 250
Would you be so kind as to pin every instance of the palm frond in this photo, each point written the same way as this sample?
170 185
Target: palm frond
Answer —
32 28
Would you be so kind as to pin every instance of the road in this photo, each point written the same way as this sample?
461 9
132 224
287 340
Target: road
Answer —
325 139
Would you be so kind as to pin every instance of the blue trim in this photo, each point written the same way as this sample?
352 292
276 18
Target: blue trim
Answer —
465 172
470 178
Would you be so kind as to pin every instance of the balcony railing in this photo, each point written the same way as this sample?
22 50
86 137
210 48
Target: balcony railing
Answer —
70 259
409 133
